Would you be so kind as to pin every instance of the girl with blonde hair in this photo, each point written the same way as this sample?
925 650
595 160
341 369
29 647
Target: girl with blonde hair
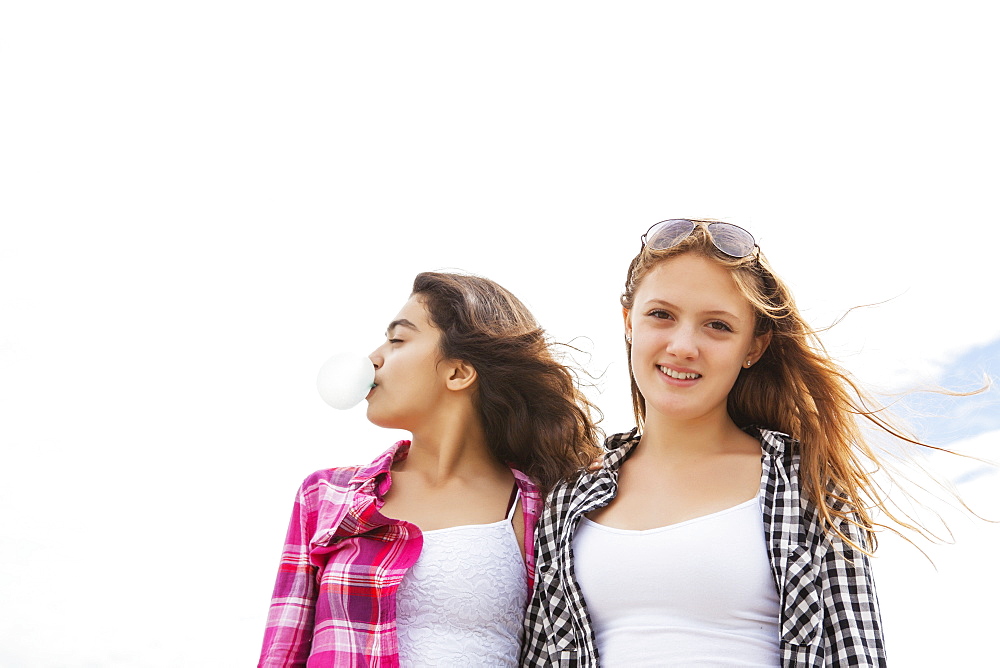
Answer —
734 525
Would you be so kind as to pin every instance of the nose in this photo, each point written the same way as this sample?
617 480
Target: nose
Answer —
683 343
376 358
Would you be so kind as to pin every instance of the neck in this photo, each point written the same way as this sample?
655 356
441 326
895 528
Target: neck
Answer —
664 436
451 444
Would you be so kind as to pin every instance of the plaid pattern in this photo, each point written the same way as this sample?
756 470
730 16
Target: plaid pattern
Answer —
829 612
334 601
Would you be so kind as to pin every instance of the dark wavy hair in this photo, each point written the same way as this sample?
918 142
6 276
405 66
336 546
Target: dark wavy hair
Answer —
534 414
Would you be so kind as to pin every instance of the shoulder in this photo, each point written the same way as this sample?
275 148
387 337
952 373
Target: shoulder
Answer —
340 479
594 480
764 432
616 449
530 494
325 491
774 442
524 483
623 440
339 476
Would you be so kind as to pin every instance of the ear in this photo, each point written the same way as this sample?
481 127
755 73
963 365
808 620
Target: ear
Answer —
758 346
460 375
627 317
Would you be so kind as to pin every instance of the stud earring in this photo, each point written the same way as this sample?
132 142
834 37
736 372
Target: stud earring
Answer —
748 363
628 339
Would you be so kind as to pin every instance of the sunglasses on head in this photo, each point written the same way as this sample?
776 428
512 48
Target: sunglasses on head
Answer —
731 239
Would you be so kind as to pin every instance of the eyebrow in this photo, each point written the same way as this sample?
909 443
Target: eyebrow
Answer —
718 312
400 323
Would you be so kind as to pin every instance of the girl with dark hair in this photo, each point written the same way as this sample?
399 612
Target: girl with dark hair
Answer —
734 525
425 557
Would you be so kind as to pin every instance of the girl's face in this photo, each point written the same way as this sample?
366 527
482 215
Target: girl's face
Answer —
409 380
691 331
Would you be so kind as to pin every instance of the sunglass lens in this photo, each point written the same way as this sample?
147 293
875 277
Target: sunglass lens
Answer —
668 233
731 239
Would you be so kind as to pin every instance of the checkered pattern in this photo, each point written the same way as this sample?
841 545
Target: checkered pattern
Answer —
829 612
334 601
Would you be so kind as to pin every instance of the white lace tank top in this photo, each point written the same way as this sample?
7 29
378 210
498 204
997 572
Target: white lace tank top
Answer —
462 602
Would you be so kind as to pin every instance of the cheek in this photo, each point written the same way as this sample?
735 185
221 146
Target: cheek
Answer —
642 360
729 357
635 355
645 343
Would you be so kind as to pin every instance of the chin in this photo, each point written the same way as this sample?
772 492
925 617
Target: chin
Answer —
382 420
677 410
374 417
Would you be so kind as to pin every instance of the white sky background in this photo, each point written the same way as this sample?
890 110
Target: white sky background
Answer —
202 201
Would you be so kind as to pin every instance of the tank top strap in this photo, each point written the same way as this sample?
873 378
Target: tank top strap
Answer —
515 496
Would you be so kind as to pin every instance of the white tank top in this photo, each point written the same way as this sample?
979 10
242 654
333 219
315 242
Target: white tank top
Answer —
462 602
696 593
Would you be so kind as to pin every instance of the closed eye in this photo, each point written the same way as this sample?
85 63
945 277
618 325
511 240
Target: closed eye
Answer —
395 340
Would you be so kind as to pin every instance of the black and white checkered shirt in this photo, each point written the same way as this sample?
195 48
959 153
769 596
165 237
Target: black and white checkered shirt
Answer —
829 612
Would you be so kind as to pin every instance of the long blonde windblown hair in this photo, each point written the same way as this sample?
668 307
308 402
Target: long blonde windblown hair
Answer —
796 388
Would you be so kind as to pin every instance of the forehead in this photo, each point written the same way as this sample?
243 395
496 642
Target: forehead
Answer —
694 282
414 311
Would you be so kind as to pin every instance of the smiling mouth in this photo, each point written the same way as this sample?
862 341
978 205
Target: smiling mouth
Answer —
679 375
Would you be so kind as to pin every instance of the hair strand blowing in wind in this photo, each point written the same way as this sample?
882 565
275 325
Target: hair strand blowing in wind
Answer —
534 415
796 388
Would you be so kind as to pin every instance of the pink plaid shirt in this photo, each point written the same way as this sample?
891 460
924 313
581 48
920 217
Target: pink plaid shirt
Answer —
334 601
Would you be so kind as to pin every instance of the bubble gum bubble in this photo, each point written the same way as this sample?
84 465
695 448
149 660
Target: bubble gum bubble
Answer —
345 379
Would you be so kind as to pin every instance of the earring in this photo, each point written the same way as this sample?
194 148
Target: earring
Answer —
628 339
748 363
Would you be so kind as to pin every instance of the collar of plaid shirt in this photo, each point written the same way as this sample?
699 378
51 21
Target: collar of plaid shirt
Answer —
334 599
829 612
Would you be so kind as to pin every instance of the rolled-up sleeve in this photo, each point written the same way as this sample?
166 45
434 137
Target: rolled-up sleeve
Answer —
288 635
852 630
